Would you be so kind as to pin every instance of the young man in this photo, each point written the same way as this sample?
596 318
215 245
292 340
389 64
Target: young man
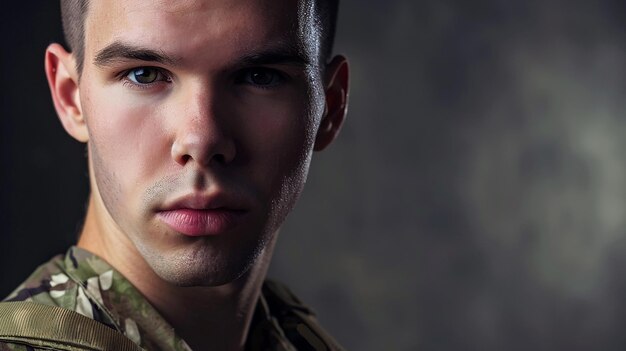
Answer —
200 119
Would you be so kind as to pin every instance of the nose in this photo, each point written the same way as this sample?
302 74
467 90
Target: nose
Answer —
201 132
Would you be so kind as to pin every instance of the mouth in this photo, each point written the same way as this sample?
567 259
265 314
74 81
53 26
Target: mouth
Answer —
198 215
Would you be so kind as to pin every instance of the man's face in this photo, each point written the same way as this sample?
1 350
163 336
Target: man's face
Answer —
201 118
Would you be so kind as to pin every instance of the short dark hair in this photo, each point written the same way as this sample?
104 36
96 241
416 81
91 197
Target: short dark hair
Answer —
74 12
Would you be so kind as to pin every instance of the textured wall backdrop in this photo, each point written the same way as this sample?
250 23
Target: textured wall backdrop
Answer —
474 201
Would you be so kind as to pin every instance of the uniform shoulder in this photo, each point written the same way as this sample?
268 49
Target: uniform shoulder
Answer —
46 285
7 346
297 320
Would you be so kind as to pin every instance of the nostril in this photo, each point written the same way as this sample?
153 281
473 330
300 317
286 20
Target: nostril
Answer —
220 158
193 148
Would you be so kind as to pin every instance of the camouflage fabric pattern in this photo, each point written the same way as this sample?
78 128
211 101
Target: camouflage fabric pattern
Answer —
82 282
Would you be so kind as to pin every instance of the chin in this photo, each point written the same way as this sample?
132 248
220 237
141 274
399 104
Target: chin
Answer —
202 264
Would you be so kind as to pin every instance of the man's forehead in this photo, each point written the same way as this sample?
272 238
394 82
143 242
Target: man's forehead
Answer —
198 27
182 7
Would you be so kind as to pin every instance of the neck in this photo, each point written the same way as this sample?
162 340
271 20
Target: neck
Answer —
216 318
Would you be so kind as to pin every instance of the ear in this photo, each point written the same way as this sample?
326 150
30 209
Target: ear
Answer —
336 89
63 83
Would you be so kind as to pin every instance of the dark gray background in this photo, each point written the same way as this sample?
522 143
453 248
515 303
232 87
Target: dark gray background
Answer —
474 201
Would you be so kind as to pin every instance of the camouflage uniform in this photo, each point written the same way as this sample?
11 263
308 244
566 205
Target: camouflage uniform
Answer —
82 282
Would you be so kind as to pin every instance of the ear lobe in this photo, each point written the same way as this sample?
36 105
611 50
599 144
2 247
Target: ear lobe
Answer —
337 74
63 82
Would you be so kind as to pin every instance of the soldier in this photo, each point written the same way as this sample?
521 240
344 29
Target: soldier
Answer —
200 119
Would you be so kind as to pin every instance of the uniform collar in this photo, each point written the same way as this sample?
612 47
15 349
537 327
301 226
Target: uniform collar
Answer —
117 302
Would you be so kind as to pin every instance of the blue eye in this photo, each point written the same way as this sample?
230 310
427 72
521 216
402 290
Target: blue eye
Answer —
261 77
146 75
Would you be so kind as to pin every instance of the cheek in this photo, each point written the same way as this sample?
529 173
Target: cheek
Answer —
287 121
126 135
276 127
279 136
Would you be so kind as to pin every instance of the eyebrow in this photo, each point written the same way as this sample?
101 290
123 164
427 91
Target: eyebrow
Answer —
120 52
283 54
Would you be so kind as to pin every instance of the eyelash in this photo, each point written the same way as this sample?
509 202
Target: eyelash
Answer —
240 77
123 76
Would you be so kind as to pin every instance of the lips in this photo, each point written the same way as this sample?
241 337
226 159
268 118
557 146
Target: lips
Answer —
198 215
